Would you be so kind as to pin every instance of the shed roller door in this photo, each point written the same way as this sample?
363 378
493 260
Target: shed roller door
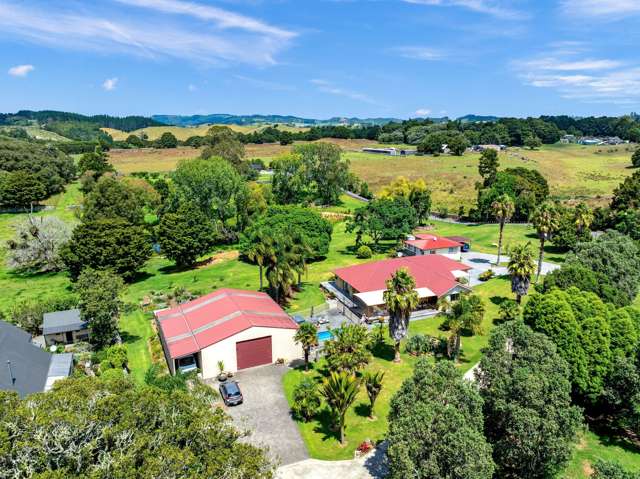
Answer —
254 352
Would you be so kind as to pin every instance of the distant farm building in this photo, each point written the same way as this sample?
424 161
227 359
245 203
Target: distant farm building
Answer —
422 244
481 148
390 151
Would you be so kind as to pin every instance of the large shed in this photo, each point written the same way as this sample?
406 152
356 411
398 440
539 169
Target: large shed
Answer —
241 328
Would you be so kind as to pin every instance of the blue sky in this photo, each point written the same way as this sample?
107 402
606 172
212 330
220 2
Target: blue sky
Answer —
321 58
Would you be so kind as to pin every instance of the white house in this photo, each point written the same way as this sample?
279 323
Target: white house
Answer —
431 244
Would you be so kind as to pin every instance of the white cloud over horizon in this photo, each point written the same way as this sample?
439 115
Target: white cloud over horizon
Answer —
422 112
419 53
326 86
590 80
110 84
601 8
21 70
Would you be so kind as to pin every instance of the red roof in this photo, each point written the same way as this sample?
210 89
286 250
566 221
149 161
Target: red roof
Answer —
427 242
432 271
192 326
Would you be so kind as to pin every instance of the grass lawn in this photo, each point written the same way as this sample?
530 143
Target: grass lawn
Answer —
484 237
322 443
592 447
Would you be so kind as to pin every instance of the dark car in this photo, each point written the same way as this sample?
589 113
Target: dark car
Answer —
299 319
230 392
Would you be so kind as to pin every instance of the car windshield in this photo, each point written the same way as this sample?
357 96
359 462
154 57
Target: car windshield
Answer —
232 389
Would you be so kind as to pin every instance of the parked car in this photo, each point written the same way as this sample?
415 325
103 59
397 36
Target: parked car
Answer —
298 319
231 394
322 320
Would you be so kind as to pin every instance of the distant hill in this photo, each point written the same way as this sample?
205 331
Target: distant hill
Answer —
49 117
226 119
477 118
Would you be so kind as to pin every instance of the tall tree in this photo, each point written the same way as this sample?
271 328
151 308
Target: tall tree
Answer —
349 350
436 427
259 249
110 427
384 218
503 208
107 244
21 189
307 336
340 390
96 162
545 221
401 300
529 418
186 234
100 303
521 268
326 171
111 198
488 166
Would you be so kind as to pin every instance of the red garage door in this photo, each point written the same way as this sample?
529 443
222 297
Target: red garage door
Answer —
253 352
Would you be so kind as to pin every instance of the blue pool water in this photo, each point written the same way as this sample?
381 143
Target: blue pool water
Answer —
324 335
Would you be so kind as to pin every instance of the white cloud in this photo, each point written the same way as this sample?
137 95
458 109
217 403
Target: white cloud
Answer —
244 40
222 18
110 84
192 87
422 112
21 70
599 8
496 8
590 80
419 53
328 87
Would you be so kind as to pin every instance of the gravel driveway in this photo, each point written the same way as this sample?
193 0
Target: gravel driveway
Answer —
265 413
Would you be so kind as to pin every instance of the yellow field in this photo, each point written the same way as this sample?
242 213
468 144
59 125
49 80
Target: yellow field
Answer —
182 133
574 172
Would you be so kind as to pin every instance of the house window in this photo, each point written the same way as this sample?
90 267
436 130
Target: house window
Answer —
452 250
432 251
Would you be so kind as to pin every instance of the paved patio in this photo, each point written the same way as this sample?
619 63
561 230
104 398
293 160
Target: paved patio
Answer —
481 262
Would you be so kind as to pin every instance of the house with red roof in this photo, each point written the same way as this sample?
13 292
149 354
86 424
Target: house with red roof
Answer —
241 328
423 244
436 276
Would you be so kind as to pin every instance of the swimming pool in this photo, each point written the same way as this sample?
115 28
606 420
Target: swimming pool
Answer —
325 336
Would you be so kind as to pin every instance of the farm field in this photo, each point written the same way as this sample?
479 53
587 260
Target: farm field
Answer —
574 172
39 133
156 160
182 132
589 173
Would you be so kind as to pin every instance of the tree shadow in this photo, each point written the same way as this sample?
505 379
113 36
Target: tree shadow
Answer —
129 338
383 350
362 409
140 276
325 425
498 300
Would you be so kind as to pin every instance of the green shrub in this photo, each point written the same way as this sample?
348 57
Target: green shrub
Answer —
486 275
364 252
306 399
421 344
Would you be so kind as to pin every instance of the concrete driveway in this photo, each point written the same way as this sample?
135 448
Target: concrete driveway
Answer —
481 262
265 414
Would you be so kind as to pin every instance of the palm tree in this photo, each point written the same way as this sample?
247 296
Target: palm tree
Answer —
373 384
401 299
340 390
465 314
583 218
307 336
521 268
545 220
260 250
503 208
455 339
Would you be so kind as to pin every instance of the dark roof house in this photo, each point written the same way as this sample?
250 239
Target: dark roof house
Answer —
64 327
26 368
